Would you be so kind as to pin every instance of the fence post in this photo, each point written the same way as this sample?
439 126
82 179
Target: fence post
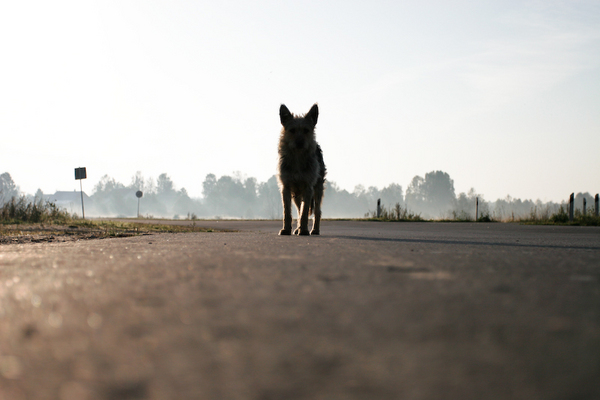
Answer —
571 206
378 208
596 201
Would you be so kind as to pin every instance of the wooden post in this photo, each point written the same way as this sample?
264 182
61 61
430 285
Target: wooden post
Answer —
477 209
571 206
584 205
378 208
596 200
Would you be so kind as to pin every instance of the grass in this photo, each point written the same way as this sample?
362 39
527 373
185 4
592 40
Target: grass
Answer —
561 217
117 228
46 218
20 210
86 229
463 216
536 217
26 221
542 216
396 213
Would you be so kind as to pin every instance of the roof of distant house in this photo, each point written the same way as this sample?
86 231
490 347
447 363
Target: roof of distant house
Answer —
61 196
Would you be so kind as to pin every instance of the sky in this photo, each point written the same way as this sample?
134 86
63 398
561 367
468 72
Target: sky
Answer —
502 95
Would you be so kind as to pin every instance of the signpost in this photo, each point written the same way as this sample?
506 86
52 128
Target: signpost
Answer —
80 174
139 195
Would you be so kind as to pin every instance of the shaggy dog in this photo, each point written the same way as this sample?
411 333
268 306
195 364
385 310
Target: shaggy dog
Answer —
301 170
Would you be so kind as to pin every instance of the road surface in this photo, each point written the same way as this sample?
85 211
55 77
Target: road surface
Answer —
366 311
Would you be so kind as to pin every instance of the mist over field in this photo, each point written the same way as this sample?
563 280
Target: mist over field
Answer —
503 96
431 196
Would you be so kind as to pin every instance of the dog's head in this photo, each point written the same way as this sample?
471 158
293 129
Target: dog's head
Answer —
298 132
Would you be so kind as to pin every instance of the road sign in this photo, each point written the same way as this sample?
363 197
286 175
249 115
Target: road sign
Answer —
80 173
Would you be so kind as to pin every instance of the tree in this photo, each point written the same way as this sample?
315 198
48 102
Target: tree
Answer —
432 195
8 189
227 197
250 197
467 204
184 205
38 197
113 198
415 193
164 185
270 199
439 189
209 185
107 185
359 190
137 182
391 195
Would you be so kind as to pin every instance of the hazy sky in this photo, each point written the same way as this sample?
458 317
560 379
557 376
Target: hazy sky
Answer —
502 95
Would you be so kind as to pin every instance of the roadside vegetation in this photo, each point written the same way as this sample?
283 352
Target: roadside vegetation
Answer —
24 221
542 216
395 213
428 197
561 217
21 210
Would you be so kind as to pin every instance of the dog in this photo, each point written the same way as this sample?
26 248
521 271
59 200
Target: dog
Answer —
301 170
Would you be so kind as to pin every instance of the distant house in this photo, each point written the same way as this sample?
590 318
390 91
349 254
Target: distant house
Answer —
70 201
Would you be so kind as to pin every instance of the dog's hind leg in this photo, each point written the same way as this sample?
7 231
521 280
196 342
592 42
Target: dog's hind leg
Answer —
316 209
286 197
298 202
303 217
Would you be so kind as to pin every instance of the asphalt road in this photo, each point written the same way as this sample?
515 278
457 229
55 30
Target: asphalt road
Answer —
365 311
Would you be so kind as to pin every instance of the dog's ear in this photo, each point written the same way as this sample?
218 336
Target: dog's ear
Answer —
285 115
313 114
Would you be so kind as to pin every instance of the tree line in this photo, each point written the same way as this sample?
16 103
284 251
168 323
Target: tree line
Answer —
431 196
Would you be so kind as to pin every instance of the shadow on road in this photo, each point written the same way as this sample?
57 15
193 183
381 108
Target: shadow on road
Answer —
469 243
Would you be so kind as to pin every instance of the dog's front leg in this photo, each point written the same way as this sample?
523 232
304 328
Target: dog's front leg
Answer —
316 230
303 225
286 197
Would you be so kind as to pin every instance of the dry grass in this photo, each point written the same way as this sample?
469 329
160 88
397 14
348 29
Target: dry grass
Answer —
396 213
84 229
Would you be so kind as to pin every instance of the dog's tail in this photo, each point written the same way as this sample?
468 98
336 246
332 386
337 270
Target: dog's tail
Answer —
317 198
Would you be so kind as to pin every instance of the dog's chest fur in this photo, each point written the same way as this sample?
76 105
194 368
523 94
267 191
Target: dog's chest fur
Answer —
298 168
